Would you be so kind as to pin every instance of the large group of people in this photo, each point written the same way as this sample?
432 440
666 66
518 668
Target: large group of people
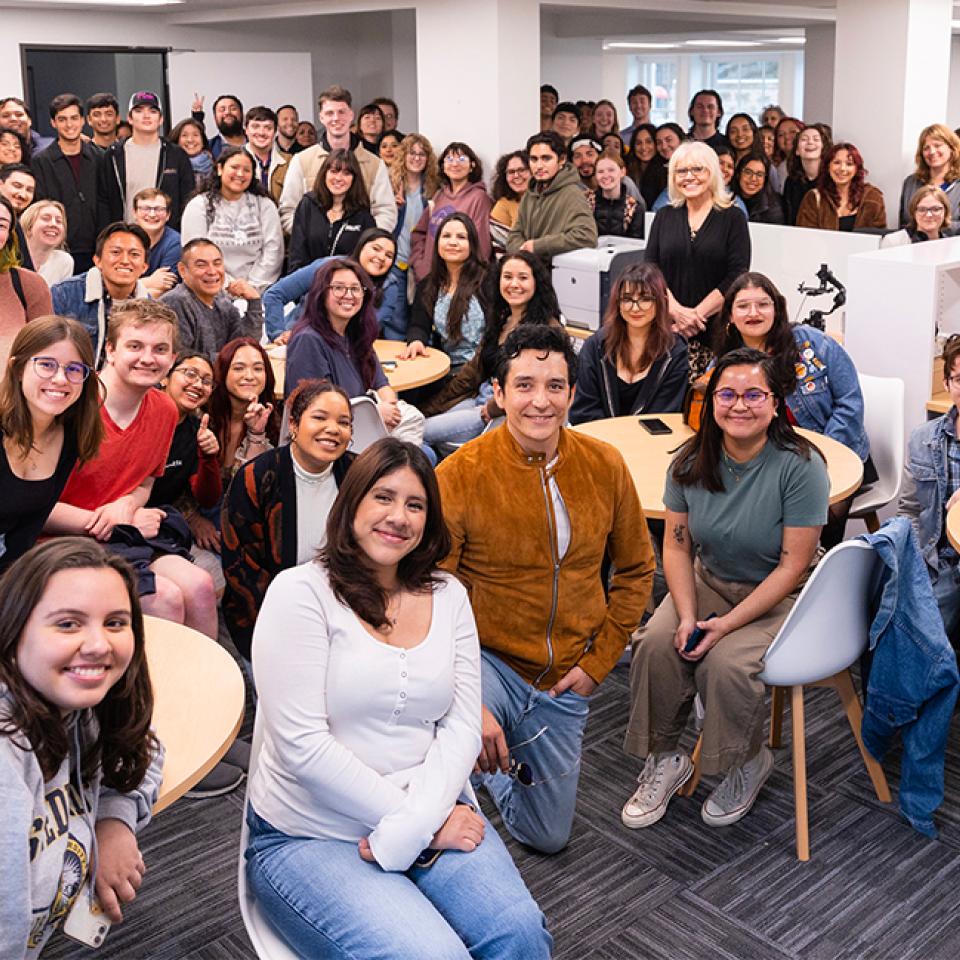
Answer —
430 616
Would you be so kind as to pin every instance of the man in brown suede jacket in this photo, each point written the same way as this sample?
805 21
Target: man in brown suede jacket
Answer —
533 508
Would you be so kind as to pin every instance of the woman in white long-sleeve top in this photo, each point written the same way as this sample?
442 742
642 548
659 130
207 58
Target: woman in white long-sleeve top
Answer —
365 838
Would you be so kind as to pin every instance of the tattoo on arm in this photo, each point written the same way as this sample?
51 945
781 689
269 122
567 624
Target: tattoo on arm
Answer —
679 530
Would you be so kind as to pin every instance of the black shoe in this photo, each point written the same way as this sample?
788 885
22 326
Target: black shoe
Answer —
223 778
238 755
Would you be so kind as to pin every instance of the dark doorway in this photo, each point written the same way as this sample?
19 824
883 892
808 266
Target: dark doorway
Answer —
48 71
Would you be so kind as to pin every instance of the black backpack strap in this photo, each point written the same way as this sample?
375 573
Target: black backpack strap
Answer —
18 287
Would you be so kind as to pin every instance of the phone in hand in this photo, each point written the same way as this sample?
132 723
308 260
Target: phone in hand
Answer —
86 922
655 426
693 641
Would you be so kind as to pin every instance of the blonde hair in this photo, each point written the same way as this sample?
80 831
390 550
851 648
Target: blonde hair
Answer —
694 151
141 313
939 132
398 169
29 217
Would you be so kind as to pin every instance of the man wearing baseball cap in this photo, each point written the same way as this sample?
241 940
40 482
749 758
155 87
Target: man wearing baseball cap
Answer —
140 161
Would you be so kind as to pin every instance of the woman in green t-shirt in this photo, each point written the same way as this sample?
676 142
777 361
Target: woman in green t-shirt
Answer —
745 500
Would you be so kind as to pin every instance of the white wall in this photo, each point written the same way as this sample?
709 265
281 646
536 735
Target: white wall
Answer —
953 95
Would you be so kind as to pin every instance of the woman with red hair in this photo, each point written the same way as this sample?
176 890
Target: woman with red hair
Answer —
843 200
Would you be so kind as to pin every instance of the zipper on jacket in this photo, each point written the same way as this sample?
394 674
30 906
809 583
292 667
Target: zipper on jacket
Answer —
554 554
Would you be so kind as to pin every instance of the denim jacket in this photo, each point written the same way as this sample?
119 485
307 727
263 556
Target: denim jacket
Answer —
913 679
828 398
924 493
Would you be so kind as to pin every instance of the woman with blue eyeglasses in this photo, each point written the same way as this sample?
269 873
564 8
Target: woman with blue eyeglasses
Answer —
745 500
49 421
826 397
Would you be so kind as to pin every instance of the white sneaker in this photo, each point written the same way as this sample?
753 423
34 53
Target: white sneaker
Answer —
661 778
733 798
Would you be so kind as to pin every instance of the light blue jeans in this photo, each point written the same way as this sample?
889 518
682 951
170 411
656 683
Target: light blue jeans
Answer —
546 734
462 422
946 589
328 904
394 312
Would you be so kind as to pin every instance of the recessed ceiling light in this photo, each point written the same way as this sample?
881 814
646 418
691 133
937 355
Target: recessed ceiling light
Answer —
789 40
624 45
721 43
117 3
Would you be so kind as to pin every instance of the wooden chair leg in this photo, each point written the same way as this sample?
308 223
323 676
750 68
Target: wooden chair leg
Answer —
872 521
690 787
843 684
776 716
800 773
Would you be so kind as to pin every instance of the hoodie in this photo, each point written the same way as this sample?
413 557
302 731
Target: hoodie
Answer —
556 217
47 836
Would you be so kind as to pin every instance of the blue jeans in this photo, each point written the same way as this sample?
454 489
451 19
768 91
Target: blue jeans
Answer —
946 589
328 903
394 312
462 422
545 733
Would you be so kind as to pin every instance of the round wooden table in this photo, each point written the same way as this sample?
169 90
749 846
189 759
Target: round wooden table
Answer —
648 456
953 526
198 695
402 374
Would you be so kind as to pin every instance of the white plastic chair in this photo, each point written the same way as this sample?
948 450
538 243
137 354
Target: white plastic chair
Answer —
824 634
266 941
367 426
883 419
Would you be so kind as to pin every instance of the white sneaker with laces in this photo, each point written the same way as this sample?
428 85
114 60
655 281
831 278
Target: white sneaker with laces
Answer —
735 795
662 776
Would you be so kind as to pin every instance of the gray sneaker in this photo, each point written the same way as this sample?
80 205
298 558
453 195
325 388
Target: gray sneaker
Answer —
733 798
223 778
662 776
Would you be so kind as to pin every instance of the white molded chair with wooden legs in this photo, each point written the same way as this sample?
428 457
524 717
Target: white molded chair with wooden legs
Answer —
268 944
824 634
883 420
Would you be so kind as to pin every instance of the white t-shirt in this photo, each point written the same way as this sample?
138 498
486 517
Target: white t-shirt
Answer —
142 164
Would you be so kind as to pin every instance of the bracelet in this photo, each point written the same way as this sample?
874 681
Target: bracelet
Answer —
256 437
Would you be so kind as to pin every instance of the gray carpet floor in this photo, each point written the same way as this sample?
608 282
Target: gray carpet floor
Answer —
872 888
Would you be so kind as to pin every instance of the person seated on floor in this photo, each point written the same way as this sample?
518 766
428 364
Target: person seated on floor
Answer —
105 498
449 306
275 511
931 486
119 262
518 291
80 769
745 500
376 251
206 314
49 420
151 209
368 674
634 363
191 480
823 387
533 510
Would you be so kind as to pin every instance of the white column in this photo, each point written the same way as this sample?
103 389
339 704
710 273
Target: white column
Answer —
478 73
818 70
891 80
404 25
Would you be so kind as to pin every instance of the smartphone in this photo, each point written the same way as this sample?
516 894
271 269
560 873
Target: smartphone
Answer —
655 426
86 922
693 641
389 365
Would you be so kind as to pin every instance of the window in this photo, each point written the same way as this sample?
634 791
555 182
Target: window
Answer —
660 78
746 84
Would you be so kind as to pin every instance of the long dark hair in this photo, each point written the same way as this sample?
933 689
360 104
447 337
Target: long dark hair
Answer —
640 279
634 164
501 185
351 572
213 194
766 198
697 463
780 344
82 417
476 167
795 169
363 327
825 182
469 283
368 236
755 145
356 198
219 404
124 746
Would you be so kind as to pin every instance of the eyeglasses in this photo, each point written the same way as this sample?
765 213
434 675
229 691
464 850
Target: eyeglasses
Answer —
931 211
456 158
417 155
522 772
747 307
46 369
638 302
954 381
749 174
519 172
341 291
752 397
157 211
697 172
192 376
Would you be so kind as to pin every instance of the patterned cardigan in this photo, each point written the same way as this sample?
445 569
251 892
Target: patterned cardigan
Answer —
259 535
